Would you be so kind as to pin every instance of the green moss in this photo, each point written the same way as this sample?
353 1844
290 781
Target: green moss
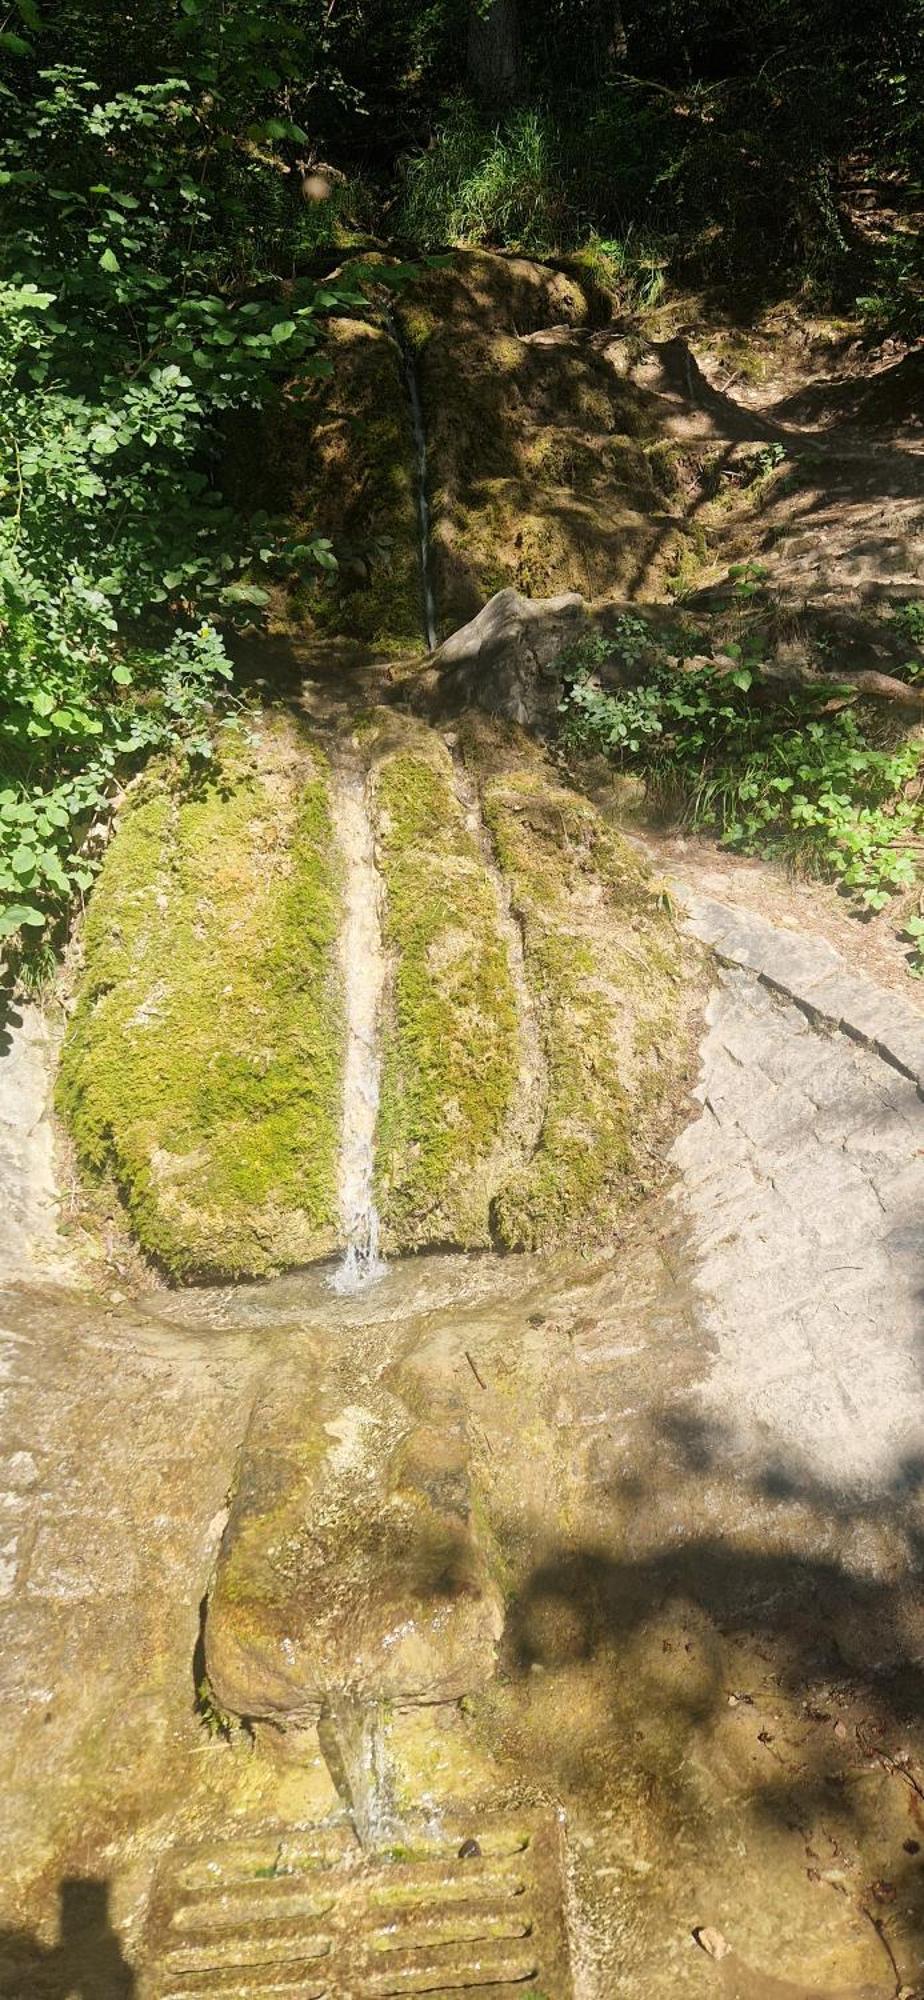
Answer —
613 990
548 470
342 462
450 1052
202 1067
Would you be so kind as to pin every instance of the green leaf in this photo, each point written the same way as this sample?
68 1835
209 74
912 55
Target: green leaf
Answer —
122 675
16 915
109 261
283 330
244 593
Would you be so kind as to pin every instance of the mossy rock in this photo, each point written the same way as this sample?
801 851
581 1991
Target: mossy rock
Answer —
201 1072
548 466
352 1559
450 1037
485 288
335 457
616 993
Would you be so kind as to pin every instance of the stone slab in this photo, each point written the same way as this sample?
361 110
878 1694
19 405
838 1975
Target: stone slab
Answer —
814 976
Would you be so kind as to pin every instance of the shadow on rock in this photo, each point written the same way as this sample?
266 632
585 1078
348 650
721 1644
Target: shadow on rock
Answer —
87 1963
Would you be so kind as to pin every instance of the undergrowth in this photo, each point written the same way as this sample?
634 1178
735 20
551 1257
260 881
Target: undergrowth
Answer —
133 317
795 775
539 180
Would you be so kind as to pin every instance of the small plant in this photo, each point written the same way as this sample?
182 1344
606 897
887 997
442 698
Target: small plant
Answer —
747 578
913 930
216 1722
768 459
908 619
789 778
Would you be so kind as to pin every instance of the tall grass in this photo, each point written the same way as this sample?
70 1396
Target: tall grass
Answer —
539 180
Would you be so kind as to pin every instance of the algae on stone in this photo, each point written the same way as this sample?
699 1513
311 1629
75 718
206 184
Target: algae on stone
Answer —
615 991
451 1038
201 1071
351 1561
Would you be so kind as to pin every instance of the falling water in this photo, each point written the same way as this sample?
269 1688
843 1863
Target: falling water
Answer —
352 1737
420 483
363 979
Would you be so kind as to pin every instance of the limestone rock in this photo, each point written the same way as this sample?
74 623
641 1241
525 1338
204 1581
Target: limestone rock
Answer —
201 1070
450 1033
350 1563
617 998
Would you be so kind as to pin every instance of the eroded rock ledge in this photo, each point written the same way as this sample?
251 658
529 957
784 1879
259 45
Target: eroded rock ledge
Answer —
537 1036
201 1071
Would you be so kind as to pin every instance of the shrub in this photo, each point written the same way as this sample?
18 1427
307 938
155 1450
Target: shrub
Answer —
770 778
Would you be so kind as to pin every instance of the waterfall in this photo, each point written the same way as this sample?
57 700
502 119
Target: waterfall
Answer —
351 1733
428 594
363 978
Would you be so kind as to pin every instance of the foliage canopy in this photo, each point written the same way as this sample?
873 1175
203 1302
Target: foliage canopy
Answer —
177 184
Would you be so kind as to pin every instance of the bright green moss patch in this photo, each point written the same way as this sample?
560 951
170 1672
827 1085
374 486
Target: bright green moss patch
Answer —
614 988
450 1051
202 1068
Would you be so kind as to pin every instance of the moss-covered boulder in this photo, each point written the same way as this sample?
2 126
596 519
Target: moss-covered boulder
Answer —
450 1036
201 1072
548 466
615 990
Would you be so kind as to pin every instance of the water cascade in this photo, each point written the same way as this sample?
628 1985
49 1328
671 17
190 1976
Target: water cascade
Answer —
351 1733
363 978
422 500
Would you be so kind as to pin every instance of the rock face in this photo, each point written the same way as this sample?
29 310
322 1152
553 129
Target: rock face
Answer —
504 660
450 1032
617 998
549 467
535 1038
350 1564
28 1189
201 1072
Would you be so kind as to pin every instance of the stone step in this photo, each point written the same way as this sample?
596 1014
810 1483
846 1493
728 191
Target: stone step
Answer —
477 1905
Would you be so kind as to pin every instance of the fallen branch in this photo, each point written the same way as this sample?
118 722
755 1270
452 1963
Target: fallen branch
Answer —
885 687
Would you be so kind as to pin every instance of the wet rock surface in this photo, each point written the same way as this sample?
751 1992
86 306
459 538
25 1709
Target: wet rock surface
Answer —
201 1071
692 1467
448 1128
350 1563
535 1008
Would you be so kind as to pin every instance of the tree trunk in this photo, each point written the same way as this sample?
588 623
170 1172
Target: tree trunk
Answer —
616 41
495 58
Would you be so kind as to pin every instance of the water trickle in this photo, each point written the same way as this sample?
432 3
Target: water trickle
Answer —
363 979
422 499
352 1736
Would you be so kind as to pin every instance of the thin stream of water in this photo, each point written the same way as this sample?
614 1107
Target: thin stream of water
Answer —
422 500
352 1737
363 979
